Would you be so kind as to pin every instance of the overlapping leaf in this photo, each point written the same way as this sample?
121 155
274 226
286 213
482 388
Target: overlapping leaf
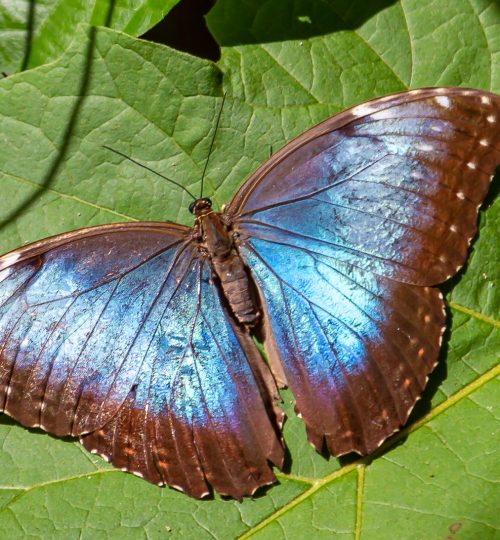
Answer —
35 32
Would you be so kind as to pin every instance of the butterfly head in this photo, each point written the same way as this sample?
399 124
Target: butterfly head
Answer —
199 205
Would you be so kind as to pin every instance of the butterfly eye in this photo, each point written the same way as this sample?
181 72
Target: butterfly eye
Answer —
199 205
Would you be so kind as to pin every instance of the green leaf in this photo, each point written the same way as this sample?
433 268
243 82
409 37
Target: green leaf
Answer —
285 65
35 32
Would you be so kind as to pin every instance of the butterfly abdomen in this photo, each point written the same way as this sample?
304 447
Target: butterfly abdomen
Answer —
229 268
236 287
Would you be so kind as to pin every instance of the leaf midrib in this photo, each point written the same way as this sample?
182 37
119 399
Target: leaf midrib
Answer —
42 190
315 484
361 464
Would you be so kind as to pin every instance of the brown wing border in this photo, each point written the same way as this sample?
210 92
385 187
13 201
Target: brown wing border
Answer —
234 208
51 242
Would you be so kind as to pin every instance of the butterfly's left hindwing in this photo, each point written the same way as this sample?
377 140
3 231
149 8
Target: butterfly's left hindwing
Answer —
200 409
345 229
117 334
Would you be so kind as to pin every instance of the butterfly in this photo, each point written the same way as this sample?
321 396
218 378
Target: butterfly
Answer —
137 337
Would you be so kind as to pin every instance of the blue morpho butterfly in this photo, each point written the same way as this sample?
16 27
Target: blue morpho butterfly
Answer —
136 337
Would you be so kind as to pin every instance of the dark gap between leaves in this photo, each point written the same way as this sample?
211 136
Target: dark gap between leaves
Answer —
185 29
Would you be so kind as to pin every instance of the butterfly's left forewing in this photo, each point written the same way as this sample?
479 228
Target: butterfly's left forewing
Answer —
69 304
118 335
345 230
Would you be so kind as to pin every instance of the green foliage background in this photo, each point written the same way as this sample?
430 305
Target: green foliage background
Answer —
285 65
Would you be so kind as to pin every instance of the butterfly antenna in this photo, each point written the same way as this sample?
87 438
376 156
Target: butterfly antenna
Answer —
212 143
150 170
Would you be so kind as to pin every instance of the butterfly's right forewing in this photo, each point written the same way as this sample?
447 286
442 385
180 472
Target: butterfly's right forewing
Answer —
392 186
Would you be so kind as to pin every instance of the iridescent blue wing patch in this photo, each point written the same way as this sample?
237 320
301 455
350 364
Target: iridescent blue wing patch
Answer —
202 407
345 230
118 335
355 348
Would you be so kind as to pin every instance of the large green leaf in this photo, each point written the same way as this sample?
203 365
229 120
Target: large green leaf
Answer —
285 65
33 32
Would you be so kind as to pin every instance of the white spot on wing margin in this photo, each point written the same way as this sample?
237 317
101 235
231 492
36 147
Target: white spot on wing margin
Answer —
443 101
363 110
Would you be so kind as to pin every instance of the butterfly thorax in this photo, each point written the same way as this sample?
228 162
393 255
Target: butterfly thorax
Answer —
216 242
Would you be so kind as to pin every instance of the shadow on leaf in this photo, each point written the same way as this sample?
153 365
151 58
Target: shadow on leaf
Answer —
261 21
66 137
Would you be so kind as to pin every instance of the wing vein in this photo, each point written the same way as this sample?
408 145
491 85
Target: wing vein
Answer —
322 241
106 281
315 192
382 218
144 319
2 349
